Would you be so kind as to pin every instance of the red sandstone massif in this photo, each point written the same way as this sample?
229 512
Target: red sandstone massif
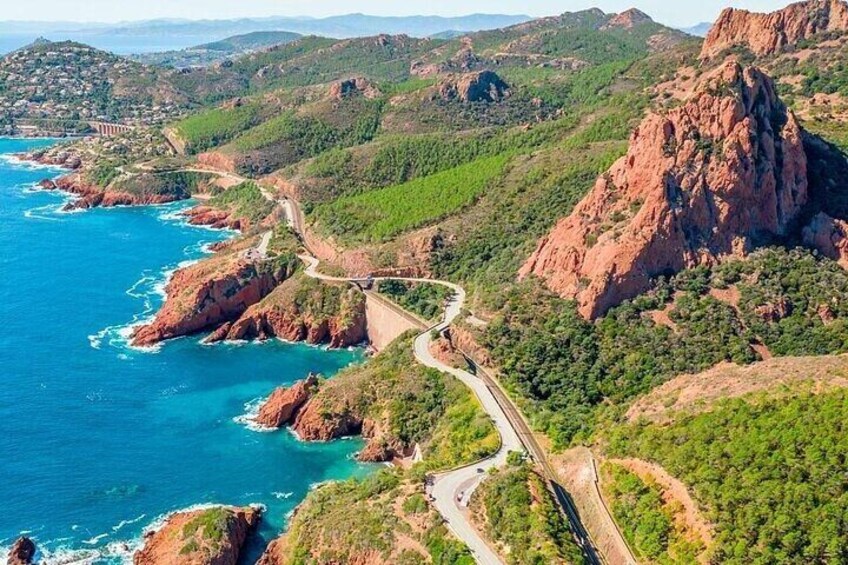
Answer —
767 34
721 174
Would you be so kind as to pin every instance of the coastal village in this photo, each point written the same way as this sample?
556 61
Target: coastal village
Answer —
66 86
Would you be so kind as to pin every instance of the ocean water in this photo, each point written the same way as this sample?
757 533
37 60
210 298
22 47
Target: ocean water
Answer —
97 440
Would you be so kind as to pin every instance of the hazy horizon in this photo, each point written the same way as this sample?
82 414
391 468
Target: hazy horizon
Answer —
106 12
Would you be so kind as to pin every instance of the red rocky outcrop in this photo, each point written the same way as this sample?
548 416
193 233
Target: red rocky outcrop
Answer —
297 311
317 422
767 34
628 19
22 552
208 294
353 86
92 196
215 218
830 236
183 540
716 176
284 403
483 86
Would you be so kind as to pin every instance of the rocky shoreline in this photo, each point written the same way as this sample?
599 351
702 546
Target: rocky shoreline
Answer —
92 196
215 535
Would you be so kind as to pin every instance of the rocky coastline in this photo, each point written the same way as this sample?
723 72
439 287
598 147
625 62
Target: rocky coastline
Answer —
208 536
92 196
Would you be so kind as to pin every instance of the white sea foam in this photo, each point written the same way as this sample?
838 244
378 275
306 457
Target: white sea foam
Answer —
282 495
48 212
248 419
94 540
12 160
124 523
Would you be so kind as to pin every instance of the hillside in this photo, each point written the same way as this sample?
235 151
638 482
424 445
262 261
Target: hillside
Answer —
767 484
69 84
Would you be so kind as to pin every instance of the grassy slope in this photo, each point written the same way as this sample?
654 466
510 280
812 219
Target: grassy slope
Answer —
516 510
647 520
774 490
244 201
379 215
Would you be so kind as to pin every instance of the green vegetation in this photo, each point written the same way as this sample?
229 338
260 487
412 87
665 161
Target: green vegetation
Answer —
179 184
381 214
377 515
425 300
349 521
214 127
413 405
520 209
520 514
292 137
244 201
209 526
774 490
567 367
646 519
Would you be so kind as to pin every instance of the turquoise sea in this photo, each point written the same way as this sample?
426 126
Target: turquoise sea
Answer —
97 440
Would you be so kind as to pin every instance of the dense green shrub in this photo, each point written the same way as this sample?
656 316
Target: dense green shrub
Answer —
521 514
381 214
214 127
771 473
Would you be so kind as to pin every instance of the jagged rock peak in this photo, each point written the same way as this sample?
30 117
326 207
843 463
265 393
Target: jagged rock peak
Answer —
482 86
767 34
717 176
628 19
352 87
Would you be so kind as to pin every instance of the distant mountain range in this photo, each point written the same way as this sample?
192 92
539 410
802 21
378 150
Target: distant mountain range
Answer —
699 30
167 34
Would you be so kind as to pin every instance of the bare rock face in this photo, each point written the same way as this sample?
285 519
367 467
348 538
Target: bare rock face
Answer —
628 19
212 536
315 422
483 86
352 87
275 553
218 161
91 196
293 313
215 218
208 294
828 235
717 176
767 34
283 404
22 552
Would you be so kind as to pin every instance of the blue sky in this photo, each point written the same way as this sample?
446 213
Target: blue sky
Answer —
680 12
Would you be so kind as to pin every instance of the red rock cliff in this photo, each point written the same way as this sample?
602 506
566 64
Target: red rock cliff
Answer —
767 34
716 176
91 196
184 539
830 236
302 309
210 293
284 403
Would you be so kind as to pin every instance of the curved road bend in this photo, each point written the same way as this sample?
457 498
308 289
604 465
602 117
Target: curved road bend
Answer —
452 490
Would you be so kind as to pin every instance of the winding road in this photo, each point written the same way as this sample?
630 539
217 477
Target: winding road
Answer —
451 490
